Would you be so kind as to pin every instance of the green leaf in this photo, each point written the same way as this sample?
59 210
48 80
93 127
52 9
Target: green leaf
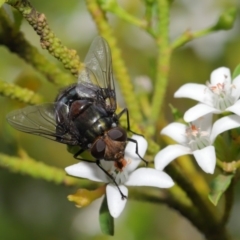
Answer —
176 113
105 219
218 186
236 71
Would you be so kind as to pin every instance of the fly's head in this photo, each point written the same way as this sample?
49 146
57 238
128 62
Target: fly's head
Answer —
111 145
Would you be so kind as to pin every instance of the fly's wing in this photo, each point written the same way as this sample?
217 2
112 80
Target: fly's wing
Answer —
96 80
46 120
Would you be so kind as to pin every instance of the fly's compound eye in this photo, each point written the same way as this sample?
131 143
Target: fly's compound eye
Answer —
98 149
117 134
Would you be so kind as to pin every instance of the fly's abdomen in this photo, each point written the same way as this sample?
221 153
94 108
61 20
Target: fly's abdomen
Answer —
89 120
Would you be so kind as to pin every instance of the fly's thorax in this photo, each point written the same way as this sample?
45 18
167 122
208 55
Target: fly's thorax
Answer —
67 95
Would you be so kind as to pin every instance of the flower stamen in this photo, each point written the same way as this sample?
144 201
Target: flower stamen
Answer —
197 139
222 96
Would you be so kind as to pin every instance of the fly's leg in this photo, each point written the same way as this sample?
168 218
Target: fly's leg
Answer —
82 159
112 178
99 165
125 110
135 141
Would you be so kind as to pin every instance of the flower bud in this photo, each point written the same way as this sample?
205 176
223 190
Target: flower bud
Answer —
226 20
84 197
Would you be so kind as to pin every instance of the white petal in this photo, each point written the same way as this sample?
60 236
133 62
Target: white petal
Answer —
236 87
130 152
176 131
87 170
220 75
224 124
168 154
114 199
191 90
204 123
206 159
198 111
149 177
235 108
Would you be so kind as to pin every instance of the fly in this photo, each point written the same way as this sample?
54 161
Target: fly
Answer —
83 114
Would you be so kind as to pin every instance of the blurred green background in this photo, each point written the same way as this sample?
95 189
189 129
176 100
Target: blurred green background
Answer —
34 209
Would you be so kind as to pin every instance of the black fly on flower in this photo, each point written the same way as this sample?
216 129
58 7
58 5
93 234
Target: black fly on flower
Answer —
83 114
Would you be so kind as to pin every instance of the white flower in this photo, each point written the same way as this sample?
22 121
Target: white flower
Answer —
196 139
216 97
128 175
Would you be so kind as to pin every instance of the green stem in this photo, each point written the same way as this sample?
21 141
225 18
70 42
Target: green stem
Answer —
18 93
145 104
171 198
120 70
17 43
185 183
113 7
28 166
225 22
48 40
163 61
189 36
149 16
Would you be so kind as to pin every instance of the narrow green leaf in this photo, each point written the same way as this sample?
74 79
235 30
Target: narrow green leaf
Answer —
176 113
236 71
105 219
218 186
